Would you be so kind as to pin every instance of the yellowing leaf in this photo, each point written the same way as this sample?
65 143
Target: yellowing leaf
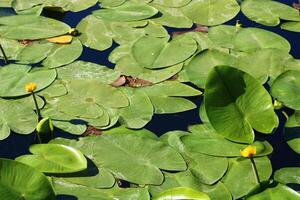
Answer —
65 39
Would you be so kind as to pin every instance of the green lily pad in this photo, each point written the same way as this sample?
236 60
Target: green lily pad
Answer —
242 170
292 132
6 3
186 179
291 26
94 33
63 54
269 12
211 13
171 3
286 88
199 164
11 48
166 97
19 181
31 27
127 12
81 70
234 109
154 53
14 78
129 67
140 109
111 3
171 17
276 193
211 146
288 175
181 193
198 68
16 116
247 39
89 193
145 158
54 158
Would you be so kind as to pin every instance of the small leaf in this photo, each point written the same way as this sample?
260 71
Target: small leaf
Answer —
181 193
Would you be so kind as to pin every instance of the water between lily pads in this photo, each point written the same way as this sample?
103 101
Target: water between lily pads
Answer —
282 156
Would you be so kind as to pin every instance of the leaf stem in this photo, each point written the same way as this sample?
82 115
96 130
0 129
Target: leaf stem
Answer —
255 170
36 106
4 55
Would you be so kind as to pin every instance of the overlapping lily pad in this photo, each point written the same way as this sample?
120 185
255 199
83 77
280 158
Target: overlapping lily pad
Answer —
236 104
20 75
19 181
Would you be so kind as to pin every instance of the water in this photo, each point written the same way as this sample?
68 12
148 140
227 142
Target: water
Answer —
282 156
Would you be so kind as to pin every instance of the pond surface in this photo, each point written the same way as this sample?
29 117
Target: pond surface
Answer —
282 156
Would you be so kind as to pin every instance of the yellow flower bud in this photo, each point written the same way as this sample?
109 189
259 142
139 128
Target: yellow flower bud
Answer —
238 24
30 87
64 39
73 32
248 152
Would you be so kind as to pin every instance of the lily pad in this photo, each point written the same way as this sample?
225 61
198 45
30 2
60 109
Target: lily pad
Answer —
288 175
81 70
234 109
20 75
242 170
172 3
89 193
127 12
276 193
145 158
211 13
269 12
154 53
94 33
54 158
291 26
292 132
31 27
286 88
16 116
19 181
166 97
139 103
181 193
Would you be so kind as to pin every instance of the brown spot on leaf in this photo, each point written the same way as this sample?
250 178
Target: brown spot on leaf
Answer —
119 82
198 28
296 6
92 131
131 82
26 42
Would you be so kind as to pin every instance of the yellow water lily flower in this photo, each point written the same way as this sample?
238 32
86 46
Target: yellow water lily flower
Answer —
248 152
238 24
30 87
64 39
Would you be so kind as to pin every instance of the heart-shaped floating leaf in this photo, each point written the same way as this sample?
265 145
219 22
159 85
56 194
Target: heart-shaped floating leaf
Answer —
166 97
286 89
288 175
215 145
241 171
276 193
199 164
292 132
139 154
22 27
211 13
181 193
127 12
94 33
269 12
17 116
247 39
14 78
236 103
198 68
140 109
63 54
63 187
80 70
291 26
171 17
154 53
111 3
171 3
19 181
187 179
54 158
129 67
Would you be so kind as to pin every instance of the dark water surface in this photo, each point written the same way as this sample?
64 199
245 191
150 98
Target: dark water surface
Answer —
282 156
